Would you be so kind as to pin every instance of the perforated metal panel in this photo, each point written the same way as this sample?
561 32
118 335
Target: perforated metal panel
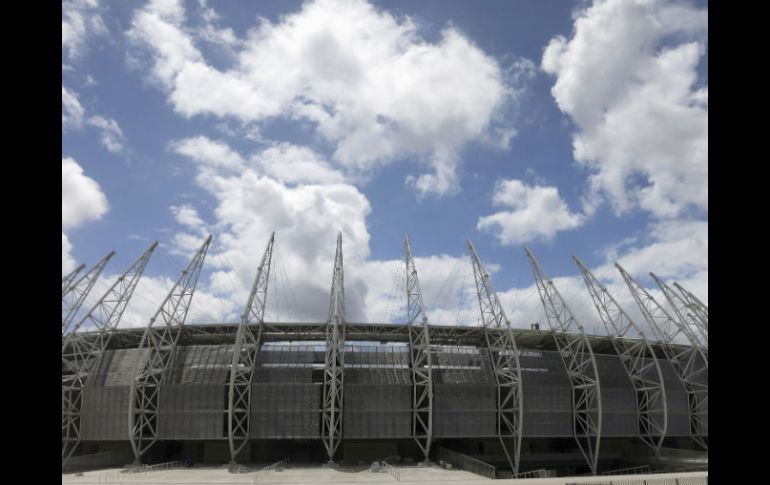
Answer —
676 400
285 402
104 415
618 398
191 401
464 394
547 395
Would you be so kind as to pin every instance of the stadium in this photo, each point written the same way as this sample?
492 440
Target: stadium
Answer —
497 400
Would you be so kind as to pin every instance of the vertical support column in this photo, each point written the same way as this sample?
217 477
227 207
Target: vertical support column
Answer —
247 344
81 352
143 397
504 356
76 294
419 353
580 363
689 362
331 420
688 321
638 359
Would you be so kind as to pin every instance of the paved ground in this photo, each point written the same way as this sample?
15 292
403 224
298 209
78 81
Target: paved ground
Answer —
312 475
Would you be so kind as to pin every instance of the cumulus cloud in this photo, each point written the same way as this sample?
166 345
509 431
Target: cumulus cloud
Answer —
73 117
81 20
370 84
82 200
111 135
71 110
535 213
295 164
628 78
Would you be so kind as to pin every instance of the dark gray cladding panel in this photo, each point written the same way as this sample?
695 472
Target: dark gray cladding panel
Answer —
118 367
104 415
676 400
282 364
377 410
201 364
466 410
618 398
546 394
285 410
458 365
191 411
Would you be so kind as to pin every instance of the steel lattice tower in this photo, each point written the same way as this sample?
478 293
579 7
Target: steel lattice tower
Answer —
638 359
420 358
688 361
81 352
161 346
76 294
331 421
504 357
247 345
580 363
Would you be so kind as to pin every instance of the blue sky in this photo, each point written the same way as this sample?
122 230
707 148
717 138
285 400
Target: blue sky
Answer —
573 128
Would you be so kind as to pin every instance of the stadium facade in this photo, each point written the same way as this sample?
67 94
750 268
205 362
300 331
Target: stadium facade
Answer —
514 399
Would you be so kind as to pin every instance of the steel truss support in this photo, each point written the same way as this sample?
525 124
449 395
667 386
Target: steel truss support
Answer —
579 360
331 421
153 366
76 294
504 356
419 352
688 320
66 282
81 352
638 360
247 344
697 307
689 362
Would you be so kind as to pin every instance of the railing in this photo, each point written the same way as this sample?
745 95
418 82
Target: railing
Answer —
539 473
465 462
154 468
634 470
649 481
265 473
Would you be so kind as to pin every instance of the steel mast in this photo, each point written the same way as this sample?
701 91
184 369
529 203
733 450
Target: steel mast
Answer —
66 282
419 353
689 362
331 422
81 352
639 361
76 294
699 309
160 347
247 344
579 360
695 332
504 356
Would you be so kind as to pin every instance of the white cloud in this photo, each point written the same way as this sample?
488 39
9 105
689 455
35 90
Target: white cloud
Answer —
632 94
73 115
372 86
111 135
295 164
71 110
82 200
536 213
213 153
67 261
80 21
